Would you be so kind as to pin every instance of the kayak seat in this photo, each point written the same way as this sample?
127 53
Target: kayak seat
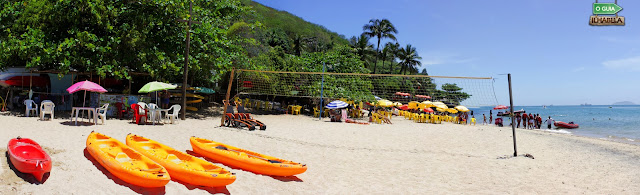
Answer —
173 158
122 157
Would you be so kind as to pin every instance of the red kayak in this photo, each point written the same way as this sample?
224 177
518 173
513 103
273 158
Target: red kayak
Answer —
28 157
25 81
561 124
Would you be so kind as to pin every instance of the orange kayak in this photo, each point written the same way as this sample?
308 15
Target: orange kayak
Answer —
244 159
180 165
125 163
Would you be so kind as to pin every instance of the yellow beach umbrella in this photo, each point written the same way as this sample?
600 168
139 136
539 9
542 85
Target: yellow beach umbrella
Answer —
438 103
422 106
385 103
442 106
440 109
413 105
428 103
398 104
452 111
462 109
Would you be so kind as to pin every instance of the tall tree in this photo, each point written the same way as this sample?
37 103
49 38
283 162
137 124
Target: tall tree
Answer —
298 45
424 72
409 58
117 37
393 54
379 29
363 48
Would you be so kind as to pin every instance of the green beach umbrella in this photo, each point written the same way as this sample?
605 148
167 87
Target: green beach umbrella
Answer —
156 86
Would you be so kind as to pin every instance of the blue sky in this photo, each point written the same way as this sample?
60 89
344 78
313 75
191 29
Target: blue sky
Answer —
554 55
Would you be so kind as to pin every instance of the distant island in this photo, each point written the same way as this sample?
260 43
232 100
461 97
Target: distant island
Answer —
624 103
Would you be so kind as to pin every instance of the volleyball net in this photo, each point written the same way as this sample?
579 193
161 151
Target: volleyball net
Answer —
467 91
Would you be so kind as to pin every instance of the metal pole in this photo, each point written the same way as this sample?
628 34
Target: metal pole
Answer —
513 123
225 103
322 93
186 65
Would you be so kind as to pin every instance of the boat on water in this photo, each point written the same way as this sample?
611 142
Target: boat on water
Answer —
570 125
507 112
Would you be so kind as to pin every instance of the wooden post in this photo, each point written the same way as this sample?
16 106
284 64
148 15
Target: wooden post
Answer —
186 61
513 122
226 100
30 79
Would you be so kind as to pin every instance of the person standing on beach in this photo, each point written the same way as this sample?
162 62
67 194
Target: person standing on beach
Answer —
165 97
539 121
490 118
549 122
518 118
525 118
484 122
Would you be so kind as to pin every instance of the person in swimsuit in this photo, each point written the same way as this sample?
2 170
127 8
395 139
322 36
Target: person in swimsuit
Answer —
165 99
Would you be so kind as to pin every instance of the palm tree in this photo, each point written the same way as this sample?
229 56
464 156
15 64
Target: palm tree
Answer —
362 46
380 29
409 59
393 54
298 45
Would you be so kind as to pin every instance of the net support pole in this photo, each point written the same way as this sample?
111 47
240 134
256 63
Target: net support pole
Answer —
322 92
513 123
226 99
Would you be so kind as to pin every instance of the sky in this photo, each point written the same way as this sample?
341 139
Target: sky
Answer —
554 56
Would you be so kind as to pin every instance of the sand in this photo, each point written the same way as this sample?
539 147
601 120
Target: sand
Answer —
402 158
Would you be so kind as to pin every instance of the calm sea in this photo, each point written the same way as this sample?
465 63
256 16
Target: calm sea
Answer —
617 123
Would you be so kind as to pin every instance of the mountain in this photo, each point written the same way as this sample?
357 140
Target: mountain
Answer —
624 103
284 29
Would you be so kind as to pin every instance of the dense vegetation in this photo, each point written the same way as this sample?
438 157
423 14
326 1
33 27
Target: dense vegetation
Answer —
114 38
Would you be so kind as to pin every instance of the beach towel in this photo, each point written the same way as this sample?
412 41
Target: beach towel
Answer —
355 122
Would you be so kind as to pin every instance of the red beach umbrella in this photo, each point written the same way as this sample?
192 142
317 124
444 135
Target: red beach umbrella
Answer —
404 107
428 110
402 94
500 107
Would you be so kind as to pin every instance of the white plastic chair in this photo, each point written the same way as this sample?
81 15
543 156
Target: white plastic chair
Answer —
152 115
142 107
47 107
30 106
173 117
102 112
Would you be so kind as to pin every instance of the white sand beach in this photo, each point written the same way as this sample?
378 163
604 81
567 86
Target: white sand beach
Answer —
402 158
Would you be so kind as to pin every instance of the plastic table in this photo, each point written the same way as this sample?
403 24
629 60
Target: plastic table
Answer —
90 111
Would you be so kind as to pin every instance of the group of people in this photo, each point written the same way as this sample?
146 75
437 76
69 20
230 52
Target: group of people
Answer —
529 121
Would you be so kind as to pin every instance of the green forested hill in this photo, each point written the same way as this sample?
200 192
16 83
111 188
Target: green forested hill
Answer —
284 29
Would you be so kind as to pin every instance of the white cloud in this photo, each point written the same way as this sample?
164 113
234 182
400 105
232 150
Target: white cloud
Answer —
436 58
632 64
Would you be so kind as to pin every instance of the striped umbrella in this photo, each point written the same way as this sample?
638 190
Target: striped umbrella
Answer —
337 105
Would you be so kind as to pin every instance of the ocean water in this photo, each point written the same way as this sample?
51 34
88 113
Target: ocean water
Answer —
617 123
